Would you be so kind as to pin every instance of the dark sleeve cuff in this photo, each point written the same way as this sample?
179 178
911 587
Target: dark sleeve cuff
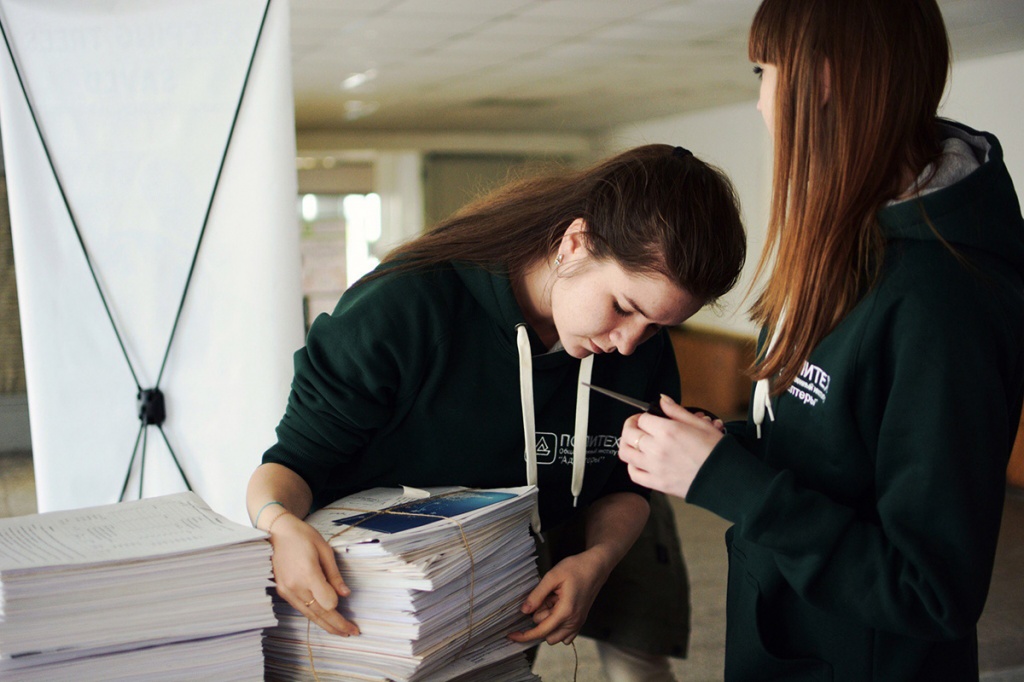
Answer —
732 482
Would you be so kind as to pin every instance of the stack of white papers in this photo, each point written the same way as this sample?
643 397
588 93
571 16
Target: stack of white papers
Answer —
437 583
155 589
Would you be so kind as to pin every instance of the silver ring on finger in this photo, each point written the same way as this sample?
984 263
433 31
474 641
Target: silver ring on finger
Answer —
636 443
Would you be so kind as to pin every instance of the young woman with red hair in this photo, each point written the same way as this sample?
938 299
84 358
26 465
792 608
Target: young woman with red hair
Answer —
866 487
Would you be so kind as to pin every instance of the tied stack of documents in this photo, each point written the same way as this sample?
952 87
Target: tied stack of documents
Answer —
156 589
438 578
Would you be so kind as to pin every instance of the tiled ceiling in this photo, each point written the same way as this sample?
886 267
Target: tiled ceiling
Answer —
565 66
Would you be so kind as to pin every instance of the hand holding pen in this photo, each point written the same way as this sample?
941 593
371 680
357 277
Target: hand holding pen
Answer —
665 446
654 407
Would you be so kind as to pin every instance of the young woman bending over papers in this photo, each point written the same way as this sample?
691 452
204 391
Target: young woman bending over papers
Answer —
433 369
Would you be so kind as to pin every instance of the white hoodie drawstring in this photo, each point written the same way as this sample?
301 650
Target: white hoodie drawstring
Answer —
579 446
762 402
579 453
762 390
529 426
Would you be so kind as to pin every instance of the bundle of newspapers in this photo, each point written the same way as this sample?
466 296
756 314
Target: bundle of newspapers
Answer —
438 577
155 589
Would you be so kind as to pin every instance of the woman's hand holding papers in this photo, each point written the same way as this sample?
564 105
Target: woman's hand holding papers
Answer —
305 570
561 601
306 574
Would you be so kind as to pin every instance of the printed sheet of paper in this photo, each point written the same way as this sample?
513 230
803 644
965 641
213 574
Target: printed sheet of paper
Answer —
162 526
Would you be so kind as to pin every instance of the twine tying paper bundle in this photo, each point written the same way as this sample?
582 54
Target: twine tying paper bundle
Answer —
373 513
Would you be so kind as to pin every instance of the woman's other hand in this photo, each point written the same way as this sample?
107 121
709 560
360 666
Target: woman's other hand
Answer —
561 601
665 453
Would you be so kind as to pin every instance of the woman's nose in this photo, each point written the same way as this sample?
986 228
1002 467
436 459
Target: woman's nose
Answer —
628 337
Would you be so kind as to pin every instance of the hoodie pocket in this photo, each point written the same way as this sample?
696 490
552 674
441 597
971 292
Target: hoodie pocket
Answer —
749 653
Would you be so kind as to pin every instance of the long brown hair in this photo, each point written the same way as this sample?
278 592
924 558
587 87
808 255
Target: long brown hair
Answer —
654 209
859 83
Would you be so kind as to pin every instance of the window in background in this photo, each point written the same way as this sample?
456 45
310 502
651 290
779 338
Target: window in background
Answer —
339 236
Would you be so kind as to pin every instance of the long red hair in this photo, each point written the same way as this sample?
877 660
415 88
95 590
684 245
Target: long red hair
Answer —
859 83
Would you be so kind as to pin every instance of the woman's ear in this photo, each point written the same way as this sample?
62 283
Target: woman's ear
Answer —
573 241
578 225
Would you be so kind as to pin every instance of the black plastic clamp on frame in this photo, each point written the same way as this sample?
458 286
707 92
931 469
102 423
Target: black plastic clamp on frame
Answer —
151 407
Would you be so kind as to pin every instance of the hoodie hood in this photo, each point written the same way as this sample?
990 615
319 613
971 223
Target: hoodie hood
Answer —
970 201
494 292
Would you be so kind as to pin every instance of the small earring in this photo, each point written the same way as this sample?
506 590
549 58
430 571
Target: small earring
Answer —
558 260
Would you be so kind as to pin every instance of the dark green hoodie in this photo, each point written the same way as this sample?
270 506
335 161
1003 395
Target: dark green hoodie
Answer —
866 515
414 380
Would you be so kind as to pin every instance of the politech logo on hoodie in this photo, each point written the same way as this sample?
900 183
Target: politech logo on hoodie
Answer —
547 448
811 386
552 448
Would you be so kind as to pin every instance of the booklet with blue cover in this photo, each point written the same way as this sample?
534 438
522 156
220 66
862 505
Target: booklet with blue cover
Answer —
424 511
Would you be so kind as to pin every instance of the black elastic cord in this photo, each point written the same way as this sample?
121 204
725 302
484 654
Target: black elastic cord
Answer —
131 462
176 463
142 461
192 266
199 242
213 194
67 205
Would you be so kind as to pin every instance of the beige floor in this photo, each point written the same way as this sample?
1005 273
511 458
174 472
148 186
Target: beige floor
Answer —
1000 632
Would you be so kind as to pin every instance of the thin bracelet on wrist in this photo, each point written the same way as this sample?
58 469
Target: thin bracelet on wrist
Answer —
284 513
256 521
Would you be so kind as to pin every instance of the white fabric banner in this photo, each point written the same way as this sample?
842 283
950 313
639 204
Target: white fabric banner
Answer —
135 101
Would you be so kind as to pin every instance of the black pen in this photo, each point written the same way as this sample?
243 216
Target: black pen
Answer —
653 407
